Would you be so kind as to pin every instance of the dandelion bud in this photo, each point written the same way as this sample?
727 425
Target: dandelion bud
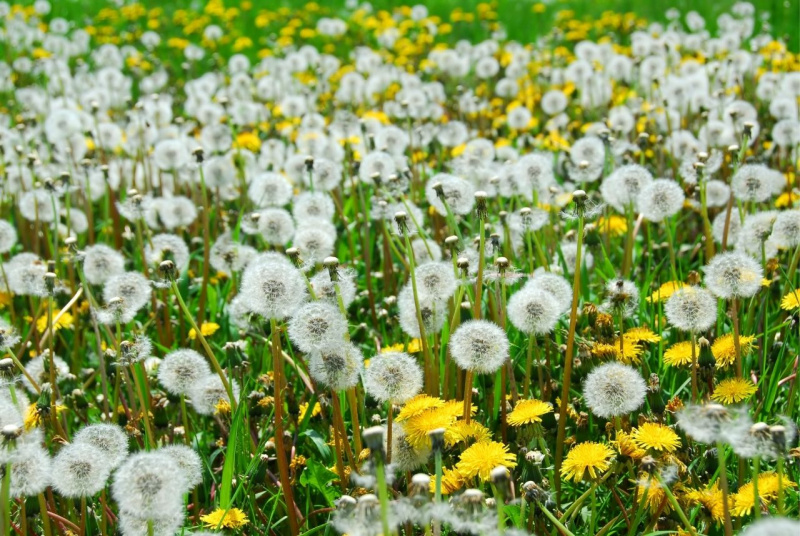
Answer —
480 204
6 367
643 139
778 435
437 439
332 264
420 485
374 440
760 430
376 178
10 432
402 224
500 477
748 129
733 149
648 464
198 154
167 270
346 503
294 256
50 282
502 264
495 238
473 500
309 162
463 265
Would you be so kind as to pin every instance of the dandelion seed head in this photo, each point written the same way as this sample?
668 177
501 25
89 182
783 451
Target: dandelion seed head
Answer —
317 325
337 368
533 310
786 229
405 456
393 377
109 439
181 369
276 226
755 182
555 285
614 390
208 391
432 310
313 205
622 297
101 262
733 275
622 187
479 346
188 462
692 309
30 469
772 526
163 247
660 199
8 236
458 193
273 288
436 281
132 288
80 470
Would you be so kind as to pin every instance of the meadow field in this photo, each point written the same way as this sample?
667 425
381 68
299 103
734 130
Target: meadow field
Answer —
371 269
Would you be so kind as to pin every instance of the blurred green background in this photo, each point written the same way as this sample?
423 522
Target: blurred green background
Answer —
518 16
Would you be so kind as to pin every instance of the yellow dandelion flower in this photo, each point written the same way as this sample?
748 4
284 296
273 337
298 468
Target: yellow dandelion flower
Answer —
614 225
36 414
651 489
651 435
664 291
419 426
786 199
417 405
303 409
528 412
65 321
733 390
399 347
679 354
709 498
641 334
207 329
452 481
461 432
266 401
479 459
768 483
222 407
631 352
587 459
791 301
249 141
626 446
725 352
229 519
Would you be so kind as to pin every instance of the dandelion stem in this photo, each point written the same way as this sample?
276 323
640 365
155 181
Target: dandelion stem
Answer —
723 478
283 465
44 515
736 344
573 321
564 530
206 347
383 493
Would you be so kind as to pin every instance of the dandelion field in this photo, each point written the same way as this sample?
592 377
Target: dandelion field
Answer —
344 269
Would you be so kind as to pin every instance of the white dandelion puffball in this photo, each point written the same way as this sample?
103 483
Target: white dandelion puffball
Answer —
110 439
80 470
317 325
393 377
692 309
533 310
613 390
479 346
181 369
733 275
